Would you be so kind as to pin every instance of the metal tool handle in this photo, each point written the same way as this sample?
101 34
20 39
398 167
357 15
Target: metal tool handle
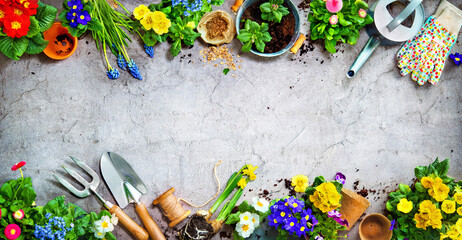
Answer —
153 230
367 51
404 14
138 232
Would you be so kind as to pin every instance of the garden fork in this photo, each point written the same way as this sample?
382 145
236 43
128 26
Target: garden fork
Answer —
90 187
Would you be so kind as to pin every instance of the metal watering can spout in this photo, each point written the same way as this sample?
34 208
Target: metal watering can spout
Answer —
366 52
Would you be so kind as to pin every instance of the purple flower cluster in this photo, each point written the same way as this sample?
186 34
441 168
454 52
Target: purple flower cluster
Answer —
77 15
339 177
336 216
290 214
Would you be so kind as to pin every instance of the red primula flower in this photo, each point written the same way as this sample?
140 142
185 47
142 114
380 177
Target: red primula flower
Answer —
5 12
18 165
29 6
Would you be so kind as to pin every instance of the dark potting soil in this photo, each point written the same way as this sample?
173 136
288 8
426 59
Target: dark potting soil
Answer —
281 33
196 228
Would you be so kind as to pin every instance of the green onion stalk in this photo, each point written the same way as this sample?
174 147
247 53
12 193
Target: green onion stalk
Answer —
111 35
199 226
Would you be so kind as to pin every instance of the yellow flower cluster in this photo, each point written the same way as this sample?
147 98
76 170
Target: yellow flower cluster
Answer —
428 215
455 231
248 170
300 182
436 188
326 198
156 21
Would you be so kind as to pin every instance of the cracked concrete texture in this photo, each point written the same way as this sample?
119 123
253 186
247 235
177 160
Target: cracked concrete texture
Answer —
289 115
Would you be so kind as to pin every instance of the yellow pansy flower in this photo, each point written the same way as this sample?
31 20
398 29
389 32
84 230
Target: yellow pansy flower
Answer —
191 24
458 198
300 182
458 225
405 206
459 211
448 206
147 21
141 11
427 182
250 169
160 22
326 197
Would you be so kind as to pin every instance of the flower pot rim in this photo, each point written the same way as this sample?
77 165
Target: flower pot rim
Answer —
293 9
51 34
383 220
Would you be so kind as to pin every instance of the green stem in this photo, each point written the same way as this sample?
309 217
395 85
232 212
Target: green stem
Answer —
232 183
20 185
224 213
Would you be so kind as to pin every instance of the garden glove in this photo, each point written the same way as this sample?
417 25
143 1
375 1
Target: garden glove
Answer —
425 54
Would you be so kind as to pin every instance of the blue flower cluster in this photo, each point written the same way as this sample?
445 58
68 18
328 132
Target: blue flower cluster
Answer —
194 6
121 62
134 70
76 16
290 214
113 73
149 50
55 229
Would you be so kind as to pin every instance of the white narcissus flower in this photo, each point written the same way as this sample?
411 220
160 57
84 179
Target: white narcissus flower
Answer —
260 204
255 220
244 230
245 218
104 225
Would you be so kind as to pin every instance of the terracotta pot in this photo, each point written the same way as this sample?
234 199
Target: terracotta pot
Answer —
61 44
375 227
353 206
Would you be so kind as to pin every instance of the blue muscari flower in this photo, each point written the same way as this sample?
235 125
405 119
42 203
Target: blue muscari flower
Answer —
48 215
134 70
186 14
149 50
121 62
113 73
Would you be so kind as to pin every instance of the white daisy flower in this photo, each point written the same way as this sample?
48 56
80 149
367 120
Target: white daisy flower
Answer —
245 218
255 220
244 230
260 204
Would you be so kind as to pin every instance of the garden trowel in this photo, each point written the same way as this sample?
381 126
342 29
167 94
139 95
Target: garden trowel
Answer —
127 187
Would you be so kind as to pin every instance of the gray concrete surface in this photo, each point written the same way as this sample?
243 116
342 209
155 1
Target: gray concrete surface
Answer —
289 115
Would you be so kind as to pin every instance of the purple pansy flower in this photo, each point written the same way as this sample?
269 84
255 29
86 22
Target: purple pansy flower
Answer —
457 58
339 177
291 224
273 220
295 204
75 5
300 230
393 224
336 216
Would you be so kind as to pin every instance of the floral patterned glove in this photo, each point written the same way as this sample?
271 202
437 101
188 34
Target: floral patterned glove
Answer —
425 54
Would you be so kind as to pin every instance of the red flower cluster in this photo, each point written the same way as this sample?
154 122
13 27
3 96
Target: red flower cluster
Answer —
15 16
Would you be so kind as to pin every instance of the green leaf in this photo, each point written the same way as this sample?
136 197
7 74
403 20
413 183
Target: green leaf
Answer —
331 31
420 172
46 15
150 38
244 36
264 27
36 44
266 37
390 206
277 16
260 45
247 46
94 25
13 48
330 45
176 47
7 191
419 187
233 218
236 236
443 167
361 4
34 28
344 22
254 27
352 39
265 7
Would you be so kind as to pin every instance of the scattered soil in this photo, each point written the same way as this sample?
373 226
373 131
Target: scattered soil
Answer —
281 33
304 5
64 44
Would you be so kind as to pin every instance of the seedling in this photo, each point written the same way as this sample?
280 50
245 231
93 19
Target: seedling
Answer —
254 33
273 10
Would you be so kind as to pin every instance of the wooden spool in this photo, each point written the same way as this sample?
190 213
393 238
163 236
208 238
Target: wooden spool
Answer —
171 207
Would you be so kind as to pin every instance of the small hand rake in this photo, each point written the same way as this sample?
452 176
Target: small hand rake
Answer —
90 187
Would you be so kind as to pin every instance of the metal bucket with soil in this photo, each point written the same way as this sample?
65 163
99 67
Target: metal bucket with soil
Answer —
283 34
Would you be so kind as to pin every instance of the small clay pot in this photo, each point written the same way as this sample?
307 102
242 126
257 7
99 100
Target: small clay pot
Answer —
61 44
375 227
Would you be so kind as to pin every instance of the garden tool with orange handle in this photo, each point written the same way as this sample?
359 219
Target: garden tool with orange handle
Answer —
424 55
90 187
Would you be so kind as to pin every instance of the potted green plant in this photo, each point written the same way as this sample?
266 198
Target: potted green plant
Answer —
267 28
22 24
337 21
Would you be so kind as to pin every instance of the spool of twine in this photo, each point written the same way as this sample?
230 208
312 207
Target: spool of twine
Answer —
170 205
171 208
